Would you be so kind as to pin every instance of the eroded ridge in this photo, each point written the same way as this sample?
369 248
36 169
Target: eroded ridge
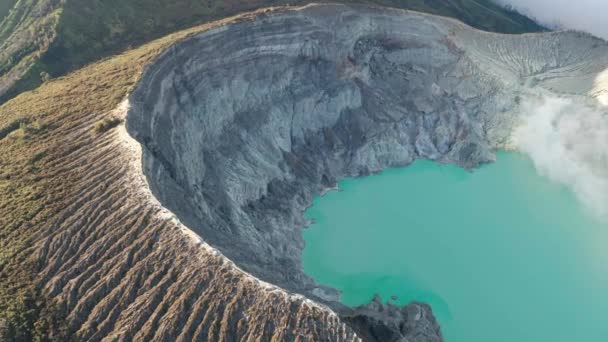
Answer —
122 267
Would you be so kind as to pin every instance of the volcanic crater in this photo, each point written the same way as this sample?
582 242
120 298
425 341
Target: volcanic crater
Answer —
243 124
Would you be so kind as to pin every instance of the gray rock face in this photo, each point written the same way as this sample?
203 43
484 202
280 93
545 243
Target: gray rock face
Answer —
386 322
242 125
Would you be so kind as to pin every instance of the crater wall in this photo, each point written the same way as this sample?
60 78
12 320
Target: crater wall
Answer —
243 124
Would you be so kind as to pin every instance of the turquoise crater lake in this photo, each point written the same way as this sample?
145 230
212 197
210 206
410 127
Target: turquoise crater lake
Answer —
501 254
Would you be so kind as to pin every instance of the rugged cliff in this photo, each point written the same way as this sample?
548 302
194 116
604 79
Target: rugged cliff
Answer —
243 124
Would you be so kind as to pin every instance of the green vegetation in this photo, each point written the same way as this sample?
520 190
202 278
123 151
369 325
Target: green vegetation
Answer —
106 124
26 32
22 319
10 128
88 30
28 130
21 129
17 316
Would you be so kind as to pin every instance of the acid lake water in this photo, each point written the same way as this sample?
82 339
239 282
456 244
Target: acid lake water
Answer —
501 254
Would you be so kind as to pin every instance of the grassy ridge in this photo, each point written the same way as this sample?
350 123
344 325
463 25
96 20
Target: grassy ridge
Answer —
26 32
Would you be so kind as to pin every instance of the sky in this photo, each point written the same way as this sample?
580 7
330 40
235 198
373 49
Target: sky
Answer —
585 15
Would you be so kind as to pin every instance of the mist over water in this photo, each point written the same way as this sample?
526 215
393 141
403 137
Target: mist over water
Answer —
568 143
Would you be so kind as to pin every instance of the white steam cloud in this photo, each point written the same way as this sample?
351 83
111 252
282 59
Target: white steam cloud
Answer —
584 15
568 142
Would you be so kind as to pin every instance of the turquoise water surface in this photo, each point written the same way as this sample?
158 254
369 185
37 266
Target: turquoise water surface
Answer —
501 254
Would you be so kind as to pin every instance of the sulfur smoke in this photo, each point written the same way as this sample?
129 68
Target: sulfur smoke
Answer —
568 142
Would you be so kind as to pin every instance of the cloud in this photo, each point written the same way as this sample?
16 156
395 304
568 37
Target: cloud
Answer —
585 15
568 142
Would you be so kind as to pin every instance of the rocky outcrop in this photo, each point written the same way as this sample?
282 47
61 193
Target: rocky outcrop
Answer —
243 124
378 321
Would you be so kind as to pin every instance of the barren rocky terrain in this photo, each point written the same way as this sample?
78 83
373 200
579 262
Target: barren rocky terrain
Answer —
234 139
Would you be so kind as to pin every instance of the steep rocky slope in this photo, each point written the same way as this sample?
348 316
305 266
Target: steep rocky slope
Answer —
300 98
48 38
